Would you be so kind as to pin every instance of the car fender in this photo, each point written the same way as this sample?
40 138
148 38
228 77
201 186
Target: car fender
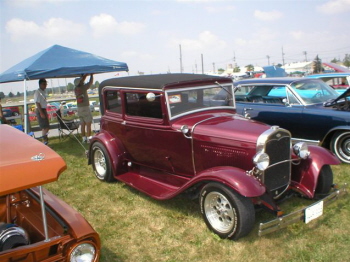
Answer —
305 175
328 137
235 178
115 151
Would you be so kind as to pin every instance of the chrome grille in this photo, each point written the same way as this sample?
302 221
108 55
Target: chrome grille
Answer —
276 143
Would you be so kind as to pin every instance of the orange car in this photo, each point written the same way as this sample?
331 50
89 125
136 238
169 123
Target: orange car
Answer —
35 225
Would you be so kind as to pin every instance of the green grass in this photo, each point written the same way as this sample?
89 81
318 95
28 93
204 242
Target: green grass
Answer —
135 227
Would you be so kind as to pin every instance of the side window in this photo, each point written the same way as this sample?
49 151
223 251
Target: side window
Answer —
138 105
113 101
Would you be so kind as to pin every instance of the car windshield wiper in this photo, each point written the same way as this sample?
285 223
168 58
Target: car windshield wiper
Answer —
216 82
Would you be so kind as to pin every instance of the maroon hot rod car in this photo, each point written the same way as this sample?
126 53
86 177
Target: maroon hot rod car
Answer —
175 133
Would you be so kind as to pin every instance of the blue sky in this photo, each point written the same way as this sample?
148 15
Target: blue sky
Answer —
147 34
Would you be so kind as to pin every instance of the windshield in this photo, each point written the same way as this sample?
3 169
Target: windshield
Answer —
313 92
186 100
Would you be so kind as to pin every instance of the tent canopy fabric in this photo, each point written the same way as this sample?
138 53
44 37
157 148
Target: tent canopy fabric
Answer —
60 62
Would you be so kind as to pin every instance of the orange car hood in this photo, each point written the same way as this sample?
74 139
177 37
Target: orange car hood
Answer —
25 162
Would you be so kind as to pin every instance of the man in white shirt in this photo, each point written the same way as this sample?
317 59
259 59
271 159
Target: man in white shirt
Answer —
41 113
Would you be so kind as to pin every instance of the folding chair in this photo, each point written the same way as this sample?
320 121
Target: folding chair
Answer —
66 127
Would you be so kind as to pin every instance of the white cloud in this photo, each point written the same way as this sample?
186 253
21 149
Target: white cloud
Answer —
219 9
268 16
205 40
297 35
52 29
105 24
335 7
58 28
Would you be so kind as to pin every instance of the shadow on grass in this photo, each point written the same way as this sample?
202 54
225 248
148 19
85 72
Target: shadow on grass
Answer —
109 255
73 143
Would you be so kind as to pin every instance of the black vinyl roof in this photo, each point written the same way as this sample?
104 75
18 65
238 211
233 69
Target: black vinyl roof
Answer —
158 81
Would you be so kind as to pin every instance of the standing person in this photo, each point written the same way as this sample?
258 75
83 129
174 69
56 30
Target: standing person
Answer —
41 113
83 105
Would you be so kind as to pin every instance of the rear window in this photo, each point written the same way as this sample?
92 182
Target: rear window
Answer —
113 101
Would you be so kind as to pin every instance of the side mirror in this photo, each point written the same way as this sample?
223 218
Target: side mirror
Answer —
285 101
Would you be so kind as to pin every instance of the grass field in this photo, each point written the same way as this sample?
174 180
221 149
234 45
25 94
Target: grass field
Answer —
134 227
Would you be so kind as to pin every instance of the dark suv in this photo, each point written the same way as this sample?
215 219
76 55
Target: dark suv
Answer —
179 133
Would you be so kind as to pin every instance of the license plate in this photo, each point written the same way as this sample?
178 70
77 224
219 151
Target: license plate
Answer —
313 212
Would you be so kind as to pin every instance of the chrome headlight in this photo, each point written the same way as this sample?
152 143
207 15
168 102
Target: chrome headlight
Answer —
301 150
84 252
261 161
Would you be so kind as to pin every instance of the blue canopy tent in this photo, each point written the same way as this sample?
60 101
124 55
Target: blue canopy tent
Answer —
58 62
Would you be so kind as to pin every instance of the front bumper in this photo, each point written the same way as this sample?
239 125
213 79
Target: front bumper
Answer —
312 212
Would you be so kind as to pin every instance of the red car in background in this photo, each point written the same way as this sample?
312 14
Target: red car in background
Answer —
51 112
14 109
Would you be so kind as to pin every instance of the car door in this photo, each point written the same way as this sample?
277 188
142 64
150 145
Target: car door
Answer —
149 140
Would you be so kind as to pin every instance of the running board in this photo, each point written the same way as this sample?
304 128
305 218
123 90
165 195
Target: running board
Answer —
149 186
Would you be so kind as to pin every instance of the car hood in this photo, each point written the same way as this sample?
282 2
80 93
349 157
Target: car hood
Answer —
25 162
341 102
229 127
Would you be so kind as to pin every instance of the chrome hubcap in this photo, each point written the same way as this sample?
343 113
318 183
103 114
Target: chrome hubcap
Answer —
343 146
100 164
219 212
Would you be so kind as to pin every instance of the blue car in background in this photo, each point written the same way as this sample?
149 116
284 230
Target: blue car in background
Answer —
309 108
339 81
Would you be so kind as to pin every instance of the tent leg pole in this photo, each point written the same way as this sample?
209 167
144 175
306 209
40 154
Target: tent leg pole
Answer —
25 109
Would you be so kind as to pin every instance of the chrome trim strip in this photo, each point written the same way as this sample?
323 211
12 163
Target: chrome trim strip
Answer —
133 88
261 141
310 142
192 131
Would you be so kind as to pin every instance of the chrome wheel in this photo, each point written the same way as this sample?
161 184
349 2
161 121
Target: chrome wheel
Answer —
341 146
227 213
100 164
219 212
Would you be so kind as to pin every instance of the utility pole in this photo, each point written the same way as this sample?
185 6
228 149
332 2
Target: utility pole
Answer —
282 56
268 59
305 56
202 64
214 68
181 69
